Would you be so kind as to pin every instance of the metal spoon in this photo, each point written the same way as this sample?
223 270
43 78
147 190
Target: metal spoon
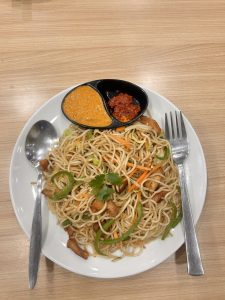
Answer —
40 139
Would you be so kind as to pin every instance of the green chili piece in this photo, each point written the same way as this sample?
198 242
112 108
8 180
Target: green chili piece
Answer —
169 226
125 235
166 231
67 189
165 155
178 219
173 221
99 234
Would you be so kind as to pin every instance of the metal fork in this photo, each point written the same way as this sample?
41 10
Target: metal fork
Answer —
177 138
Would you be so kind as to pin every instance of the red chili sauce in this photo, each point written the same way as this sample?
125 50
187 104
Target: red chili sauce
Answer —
123 107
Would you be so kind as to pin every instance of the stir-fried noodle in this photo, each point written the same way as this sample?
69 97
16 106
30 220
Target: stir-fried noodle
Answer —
139 159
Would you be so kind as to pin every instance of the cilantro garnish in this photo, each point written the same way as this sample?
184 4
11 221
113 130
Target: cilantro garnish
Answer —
114 178
97 183
101 185
104 193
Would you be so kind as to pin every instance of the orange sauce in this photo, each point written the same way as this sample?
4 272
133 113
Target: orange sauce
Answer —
84 105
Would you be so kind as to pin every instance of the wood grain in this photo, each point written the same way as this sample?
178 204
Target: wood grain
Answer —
174 47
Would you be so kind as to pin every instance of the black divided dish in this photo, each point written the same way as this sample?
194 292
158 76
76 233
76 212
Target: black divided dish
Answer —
108 88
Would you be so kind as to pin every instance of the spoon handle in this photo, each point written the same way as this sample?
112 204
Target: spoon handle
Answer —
36 236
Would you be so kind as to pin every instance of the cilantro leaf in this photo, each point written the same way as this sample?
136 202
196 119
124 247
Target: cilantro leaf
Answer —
114 178
97 183
104 193
101 185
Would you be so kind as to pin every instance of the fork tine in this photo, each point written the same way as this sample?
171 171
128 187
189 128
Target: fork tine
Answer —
177 125
167 132
183 129
172 128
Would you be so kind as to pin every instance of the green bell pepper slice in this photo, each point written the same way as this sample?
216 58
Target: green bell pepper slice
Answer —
99 233
173 221
125 235
165 155
67 189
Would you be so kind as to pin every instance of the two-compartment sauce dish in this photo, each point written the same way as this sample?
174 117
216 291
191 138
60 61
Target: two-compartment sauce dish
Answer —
105 104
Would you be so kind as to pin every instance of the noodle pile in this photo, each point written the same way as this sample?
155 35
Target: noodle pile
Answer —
130 153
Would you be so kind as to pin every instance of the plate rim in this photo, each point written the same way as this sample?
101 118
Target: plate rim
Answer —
91 275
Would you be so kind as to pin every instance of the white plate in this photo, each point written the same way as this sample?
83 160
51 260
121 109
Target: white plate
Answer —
55 238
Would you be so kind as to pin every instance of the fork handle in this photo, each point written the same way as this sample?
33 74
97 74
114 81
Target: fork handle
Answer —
194 263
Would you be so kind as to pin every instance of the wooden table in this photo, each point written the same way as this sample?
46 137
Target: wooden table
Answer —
176 48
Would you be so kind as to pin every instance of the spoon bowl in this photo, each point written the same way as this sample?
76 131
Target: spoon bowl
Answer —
39 141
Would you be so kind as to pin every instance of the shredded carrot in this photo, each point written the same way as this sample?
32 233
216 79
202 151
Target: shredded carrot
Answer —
138 167
138 181
145 174
121 141
120 129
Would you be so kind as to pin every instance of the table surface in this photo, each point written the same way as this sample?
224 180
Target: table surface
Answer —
176 48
